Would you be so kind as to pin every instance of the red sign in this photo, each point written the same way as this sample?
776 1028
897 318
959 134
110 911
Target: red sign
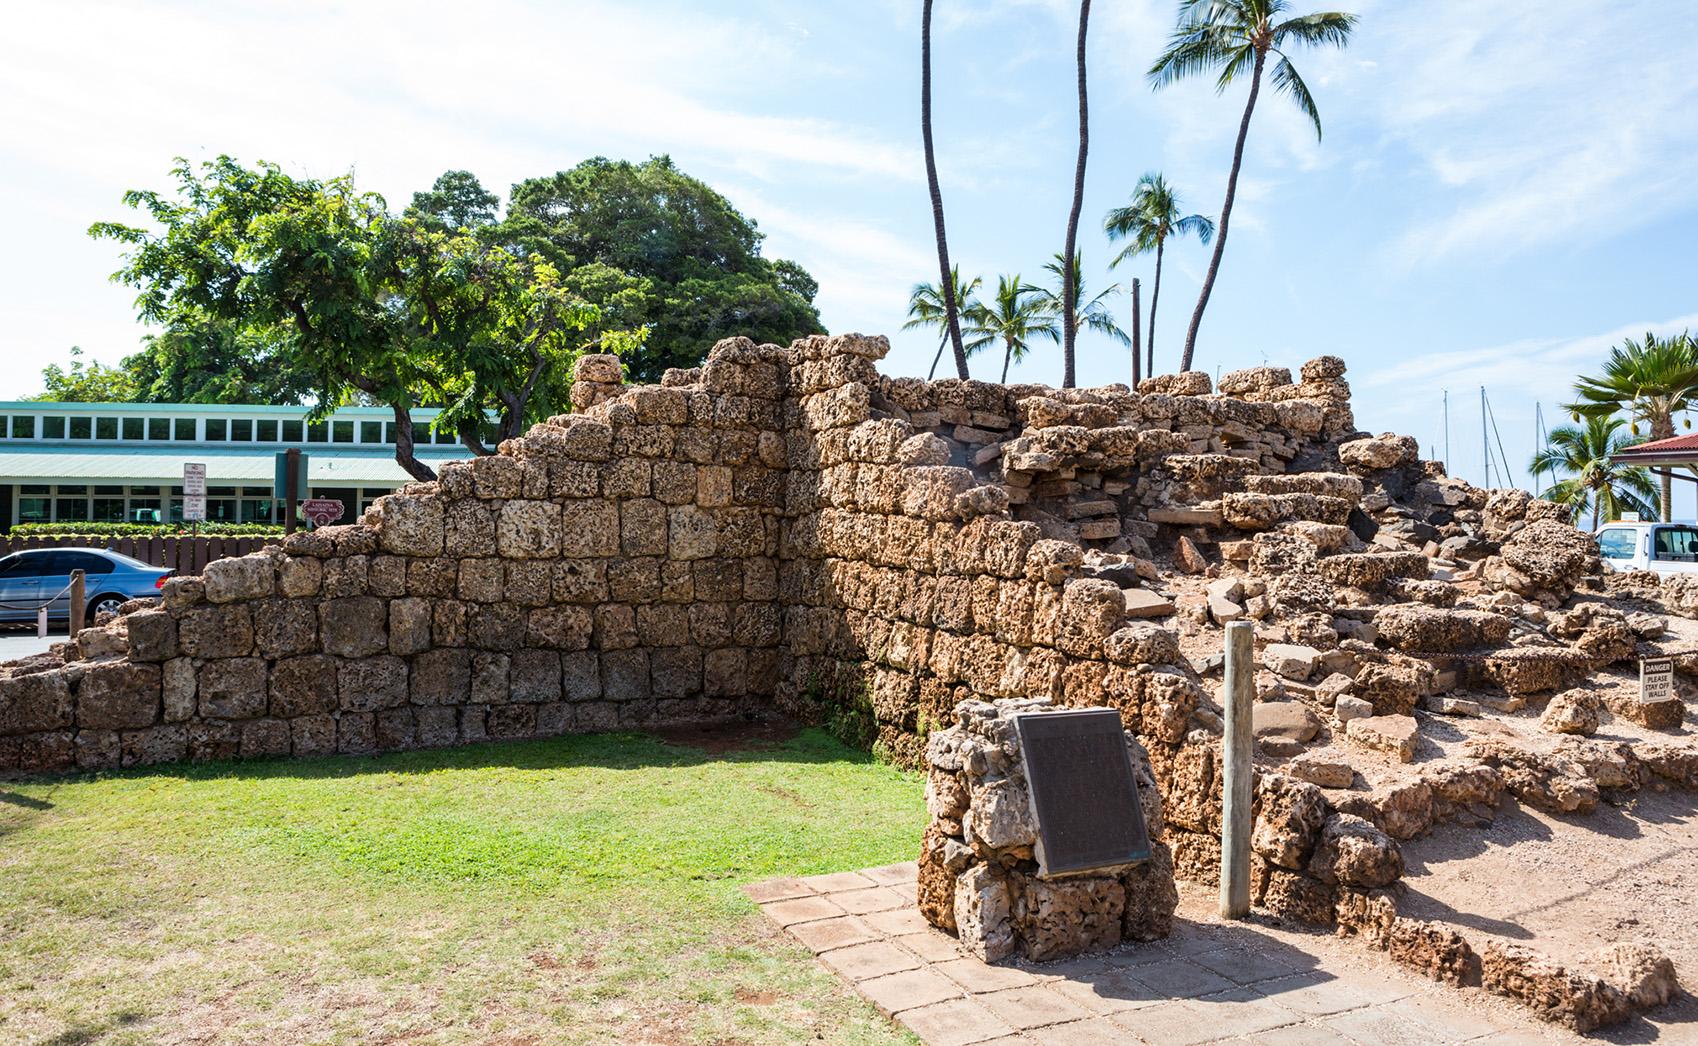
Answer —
321 512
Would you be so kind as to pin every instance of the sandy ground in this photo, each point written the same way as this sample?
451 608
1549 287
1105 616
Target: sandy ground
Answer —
1569 886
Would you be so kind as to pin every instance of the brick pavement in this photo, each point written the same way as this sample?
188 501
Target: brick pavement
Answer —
1211 981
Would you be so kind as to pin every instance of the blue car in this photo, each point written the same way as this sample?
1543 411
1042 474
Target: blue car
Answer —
29 577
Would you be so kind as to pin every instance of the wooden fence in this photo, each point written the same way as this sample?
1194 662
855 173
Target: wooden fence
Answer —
187 555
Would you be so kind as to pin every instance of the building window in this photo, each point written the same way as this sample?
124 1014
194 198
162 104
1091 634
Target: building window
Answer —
144 510
105 428
344 431
242 431
216 429
446 435
53 427
108 510
135 428
318 432
82 428
371 432
292 431
3 429
267 430
159 428
23 427
34 510
70 510
183 429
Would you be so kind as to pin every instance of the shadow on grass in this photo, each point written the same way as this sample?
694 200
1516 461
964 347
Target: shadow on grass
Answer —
729 742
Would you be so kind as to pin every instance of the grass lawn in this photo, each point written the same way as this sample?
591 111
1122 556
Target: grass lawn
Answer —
583 889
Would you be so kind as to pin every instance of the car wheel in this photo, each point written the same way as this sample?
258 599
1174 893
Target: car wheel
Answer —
104 604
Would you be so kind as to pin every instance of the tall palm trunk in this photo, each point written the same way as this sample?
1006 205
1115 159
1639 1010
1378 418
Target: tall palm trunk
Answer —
947 285
941 342
1136 335
1007 357
1068 326
1225 213
1662 427
1155 297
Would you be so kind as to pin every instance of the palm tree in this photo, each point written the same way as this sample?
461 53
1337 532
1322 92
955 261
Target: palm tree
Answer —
1070 325
951 317
1650 381
1586 452
929 307
1151 217
1015 316
1094 314
1232 36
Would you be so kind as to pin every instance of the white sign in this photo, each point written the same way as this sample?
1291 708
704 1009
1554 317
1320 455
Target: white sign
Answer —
194 481
194 507
1656 679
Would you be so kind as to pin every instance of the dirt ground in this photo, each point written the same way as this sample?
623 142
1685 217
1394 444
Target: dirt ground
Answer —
1569 886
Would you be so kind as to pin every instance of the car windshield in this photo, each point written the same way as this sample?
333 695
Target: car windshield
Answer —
1675 544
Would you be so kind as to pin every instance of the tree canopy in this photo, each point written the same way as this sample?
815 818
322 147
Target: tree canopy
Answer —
272 288
671 254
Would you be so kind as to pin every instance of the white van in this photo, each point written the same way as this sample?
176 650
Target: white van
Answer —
1666 548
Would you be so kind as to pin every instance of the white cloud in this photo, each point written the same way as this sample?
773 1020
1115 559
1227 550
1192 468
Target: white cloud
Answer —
1561 122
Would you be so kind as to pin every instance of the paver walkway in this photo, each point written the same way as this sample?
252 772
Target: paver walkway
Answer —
1211 981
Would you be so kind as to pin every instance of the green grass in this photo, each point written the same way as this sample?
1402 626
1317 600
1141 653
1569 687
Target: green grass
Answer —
581 889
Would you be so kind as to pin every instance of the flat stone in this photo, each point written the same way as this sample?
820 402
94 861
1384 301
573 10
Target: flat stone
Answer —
874 959
1224 611
826 934
956 1022
909 990
1347 707
833 882
1288 720
872 899
1455 706
893 874
1033 1007
1186 517
1290 660
1141 603
1394 734
801 910
979 977
774 889
1327 773
897 921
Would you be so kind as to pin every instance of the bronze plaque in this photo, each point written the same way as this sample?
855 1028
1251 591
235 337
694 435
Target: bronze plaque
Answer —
1084 793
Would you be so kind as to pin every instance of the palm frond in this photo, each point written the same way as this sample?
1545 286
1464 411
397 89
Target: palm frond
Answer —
1287 81
1323 28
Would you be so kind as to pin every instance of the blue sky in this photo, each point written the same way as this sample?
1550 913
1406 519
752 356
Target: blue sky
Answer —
1504 190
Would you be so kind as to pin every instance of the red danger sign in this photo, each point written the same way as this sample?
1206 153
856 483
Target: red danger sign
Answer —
321 512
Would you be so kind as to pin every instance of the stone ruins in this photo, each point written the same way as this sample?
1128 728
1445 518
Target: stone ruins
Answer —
785 528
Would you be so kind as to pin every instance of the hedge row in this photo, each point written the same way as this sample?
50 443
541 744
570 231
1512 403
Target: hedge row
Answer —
143 530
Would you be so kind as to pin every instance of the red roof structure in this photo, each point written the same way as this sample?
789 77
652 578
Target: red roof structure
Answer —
1676 450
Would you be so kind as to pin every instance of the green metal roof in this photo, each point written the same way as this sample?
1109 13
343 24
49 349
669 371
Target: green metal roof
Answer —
210 409
163 464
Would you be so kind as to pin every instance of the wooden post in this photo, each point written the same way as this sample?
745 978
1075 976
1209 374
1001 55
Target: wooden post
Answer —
41 623
79 601
1237 768
291 465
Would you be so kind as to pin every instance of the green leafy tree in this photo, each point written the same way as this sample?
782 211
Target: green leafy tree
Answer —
200 359
85 381
929 307
1094 313
457 200
1651 381
1013 317
670 254
367 304
1148 221
1231 38
1584 455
